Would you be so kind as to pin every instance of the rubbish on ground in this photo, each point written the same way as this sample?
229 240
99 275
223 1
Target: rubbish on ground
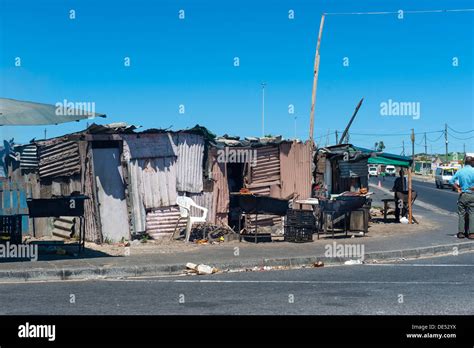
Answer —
201 268
208 233
353 262
319 264
404 220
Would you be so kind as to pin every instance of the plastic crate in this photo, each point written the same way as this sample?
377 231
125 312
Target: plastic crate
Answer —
10 229
299 217
298 234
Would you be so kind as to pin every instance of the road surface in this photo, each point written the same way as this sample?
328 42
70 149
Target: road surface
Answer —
443 285
427 192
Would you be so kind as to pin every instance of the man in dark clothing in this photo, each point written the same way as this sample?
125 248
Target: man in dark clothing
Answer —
400 185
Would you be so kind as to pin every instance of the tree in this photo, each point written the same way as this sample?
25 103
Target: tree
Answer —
379 146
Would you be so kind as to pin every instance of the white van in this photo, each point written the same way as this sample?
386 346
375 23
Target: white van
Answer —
390 170
373 171
443 175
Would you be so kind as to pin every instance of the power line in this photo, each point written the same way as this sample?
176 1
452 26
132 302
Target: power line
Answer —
396 12
433 141
455 131
452 136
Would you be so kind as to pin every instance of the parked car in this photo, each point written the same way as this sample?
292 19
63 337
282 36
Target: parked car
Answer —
390 170
443 175
373 171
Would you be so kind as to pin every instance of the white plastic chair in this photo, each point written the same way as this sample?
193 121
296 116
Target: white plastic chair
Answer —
185 204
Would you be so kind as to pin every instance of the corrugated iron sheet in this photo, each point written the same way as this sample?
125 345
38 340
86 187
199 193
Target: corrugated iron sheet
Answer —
268 165
220 187
59 159
190 152
161 223
28 157
154 181
296 177
153 145
264 178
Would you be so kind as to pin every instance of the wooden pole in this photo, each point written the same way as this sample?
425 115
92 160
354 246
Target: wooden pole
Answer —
315 81
409 196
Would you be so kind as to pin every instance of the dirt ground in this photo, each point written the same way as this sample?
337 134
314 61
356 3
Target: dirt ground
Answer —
377 229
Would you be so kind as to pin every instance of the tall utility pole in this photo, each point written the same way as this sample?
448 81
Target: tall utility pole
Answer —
315 80
426 146
446 139
263 109
403 147
413 146
464 148
337 138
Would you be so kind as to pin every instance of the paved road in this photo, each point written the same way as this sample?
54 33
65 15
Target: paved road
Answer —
427 192
431 286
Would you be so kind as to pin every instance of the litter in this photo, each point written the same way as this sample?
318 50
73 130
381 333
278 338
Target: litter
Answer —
404 220
353 262
201 268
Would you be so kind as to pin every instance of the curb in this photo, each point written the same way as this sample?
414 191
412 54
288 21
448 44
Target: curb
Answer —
90 273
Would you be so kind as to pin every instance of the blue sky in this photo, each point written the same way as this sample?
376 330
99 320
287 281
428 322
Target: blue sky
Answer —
191 62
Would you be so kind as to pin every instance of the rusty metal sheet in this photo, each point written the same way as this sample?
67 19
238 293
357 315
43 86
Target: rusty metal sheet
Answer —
268 165
295 162
264 178
190 152
153 145
61 158
161 223
220 187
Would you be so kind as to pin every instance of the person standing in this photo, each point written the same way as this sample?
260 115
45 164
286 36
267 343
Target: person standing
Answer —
463 182
400 185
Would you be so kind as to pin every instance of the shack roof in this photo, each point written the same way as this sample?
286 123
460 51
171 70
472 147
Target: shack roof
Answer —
387 158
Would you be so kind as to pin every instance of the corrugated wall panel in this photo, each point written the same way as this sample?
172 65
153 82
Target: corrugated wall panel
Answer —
190 152
29 157
59 159
161 223
154 181
264 178
268 165
296 177
220 188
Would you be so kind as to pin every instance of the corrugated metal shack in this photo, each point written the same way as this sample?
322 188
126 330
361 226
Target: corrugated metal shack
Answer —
341 168
267 166
133 178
